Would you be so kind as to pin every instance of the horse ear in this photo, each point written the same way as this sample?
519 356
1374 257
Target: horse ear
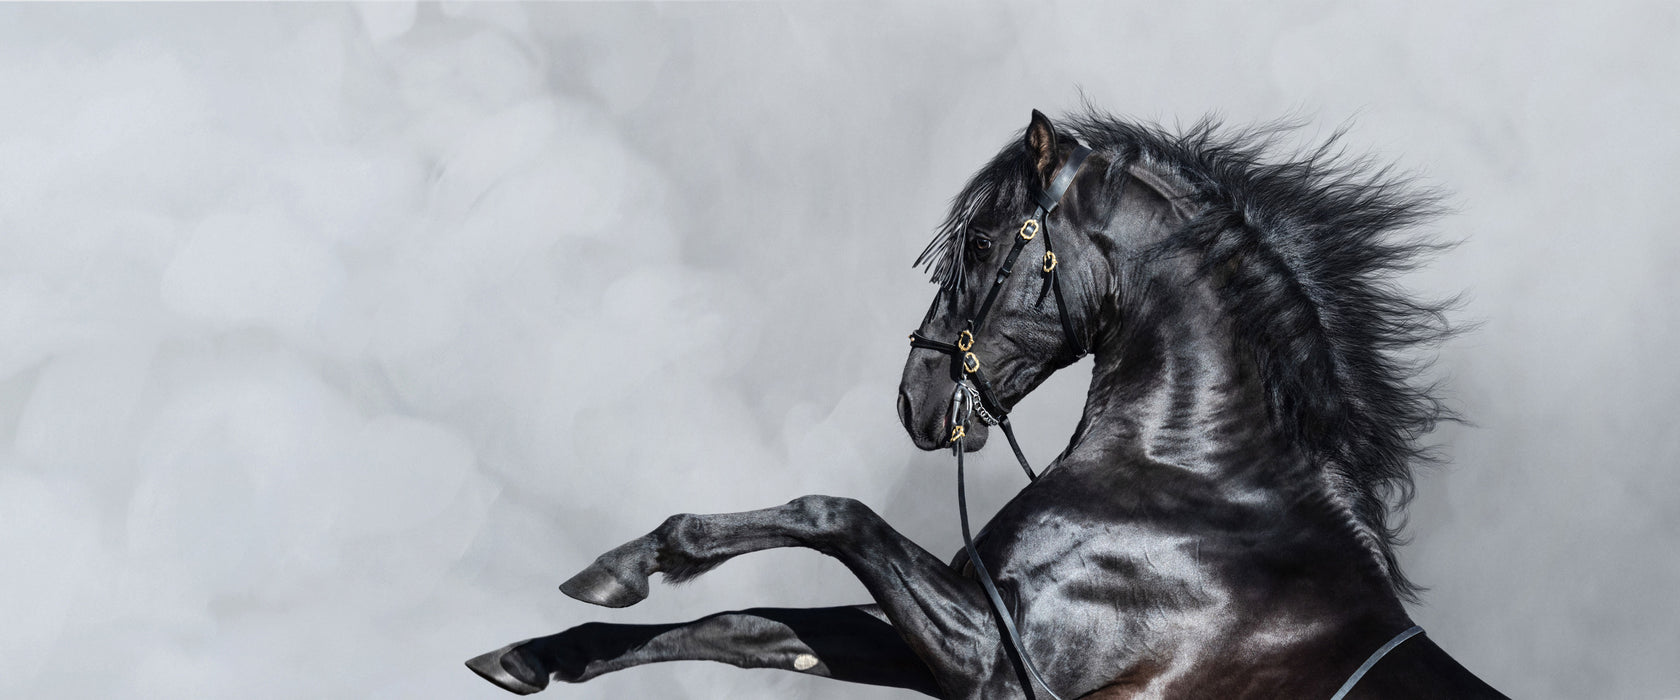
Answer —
1041 147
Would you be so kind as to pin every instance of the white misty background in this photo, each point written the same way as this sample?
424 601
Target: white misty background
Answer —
333 338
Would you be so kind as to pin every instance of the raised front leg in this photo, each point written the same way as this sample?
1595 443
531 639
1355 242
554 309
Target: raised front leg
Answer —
854 644
942 616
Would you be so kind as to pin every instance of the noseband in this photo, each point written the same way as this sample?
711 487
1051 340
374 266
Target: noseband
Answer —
979 400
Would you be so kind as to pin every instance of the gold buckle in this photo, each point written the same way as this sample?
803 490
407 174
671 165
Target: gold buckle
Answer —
957 433
965 341
1029 224
971 364
1049 261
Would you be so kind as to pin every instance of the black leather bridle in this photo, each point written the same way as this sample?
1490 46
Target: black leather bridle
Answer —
979 400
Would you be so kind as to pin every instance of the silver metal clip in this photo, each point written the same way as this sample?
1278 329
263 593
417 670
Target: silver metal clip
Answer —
960 403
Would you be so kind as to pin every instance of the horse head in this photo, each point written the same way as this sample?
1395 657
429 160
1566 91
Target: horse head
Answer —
1019 268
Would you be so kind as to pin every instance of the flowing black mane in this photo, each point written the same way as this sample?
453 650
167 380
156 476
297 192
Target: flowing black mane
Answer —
1308 247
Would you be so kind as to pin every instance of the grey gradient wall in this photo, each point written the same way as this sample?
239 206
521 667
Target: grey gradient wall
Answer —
332 338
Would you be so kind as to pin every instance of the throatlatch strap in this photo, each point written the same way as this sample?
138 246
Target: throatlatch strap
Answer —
1061 305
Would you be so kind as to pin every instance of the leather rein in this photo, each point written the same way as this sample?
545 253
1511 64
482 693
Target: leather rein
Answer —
977 399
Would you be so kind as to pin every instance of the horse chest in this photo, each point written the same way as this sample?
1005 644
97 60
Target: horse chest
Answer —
1059 559
1100 592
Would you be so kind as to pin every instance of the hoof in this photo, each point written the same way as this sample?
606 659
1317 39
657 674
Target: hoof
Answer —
505 669
598 585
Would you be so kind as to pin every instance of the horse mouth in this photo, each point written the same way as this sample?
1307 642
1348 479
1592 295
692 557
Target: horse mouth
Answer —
931 434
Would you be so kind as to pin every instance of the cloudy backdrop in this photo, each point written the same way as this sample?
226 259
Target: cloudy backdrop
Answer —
333 338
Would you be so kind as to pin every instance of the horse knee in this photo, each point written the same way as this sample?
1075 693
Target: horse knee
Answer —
680 531
831 514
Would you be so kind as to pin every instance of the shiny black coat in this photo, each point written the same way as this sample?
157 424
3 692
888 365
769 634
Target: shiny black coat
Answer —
1218 524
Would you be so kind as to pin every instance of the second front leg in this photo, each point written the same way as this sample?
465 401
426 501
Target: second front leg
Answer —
941 615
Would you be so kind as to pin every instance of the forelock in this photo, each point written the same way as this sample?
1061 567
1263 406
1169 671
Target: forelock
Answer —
999 186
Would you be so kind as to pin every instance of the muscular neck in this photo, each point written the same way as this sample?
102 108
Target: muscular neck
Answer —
1171 388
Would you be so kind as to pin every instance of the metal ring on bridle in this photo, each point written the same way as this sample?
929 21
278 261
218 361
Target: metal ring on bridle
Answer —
1029 224
965 341
971 364
1049 261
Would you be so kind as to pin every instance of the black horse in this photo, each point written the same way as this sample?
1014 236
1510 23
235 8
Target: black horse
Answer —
1219 526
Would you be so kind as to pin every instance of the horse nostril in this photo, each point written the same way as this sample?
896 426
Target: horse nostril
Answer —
904 409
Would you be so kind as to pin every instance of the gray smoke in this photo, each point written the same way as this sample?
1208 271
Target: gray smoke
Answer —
335 337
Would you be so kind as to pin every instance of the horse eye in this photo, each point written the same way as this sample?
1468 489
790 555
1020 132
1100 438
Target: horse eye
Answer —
982 244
